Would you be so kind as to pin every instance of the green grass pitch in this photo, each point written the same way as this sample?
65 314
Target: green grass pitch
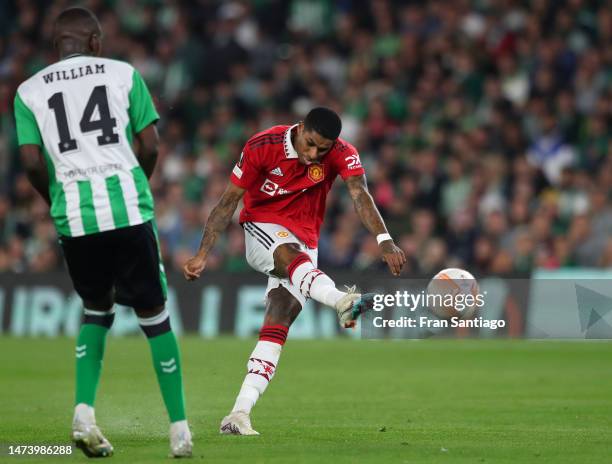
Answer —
340 401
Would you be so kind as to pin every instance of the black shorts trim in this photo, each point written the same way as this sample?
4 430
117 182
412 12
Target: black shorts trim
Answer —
263 233
257 230
265 241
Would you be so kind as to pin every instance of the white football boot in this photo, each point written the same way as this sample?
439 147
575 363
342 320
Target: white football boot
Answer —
89 439
352 305
237 423
181 444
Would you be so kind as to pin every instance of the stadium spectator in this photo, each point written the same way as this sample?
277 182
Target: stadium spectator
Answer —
484 127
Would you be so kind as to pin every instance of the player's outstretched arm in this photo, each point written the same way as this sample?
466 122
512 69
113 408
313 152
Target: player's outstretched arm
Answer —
372 220
148 141
218 220
36 169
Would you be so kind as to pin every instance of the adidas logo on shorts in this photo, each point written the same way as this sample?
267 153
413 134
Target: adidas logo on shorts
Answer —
276 172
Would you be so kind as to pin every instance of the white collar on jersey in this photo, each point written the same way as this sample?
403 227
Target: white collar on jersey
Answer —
73 55
289 149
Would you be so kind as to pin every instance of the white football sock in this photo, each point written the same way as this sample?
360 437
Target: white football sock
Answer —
314 283
261 368
178 427
84 413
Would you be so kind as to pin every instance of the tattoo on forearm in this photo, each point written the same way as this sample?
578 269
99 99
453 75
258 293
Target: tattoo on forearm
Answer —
218 220
365 207
367 211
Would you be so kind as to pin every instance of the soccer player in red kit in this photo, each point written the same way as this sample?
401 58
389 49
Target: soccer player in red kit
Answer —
284 175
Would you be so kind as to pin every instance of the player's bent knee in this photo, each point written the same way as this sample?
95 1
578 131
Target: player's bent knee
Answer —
148 313
102 318
284 255
154 322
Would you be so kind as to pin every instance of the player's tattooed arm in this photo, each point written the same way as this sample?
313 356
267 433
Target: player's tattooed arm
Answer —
219 219
373 221
148 141
36 169
364 205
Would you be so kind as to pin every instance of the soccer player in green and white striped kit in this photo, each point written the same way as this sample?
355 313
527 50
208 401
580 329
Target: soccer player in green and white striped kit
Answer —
76 121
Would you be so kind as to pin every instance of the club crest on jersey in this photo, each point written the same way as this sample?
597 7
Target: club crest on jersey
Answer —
316 172
282 234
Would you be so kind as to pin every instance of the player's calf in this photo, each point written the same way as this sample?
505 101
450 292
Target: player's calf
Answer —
281 308
261 366
167 363
90 348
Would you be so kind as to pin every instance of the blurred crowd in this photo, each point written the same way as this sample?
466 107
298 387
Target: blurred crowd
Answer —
484 125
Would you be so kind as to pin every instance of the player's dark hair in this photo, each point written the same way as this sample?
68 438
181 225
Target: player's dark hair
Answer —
323 121
78 15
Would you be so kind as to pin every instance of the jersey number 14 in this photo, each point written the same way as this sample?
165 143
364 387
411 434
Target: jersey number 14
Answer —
105 123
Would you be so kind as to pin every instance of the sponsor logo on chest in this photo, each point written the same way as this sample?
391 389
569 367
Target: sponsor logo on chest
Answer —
315 174
272 188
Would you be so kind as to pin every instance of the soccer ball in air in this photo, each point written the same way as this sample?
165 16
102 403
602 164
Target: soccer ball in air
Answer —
454 292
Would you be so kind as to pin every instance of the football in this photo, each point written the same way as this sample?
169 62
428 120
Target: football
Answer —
454 292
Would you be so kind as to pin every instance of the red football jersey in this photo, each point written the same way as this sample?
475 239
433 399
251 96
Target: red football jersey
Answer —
281 190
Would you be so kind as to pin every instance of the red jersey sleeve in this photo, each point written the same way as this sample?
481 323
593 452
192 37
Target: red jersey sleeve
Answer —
347 162
246 170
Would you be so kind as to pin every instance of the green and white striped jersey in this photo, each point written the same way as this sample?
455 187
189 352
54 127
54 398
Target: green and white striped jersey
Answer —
83 112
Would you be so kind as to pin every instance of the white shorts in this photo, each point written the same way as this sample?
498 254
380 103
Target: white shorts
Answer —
261 239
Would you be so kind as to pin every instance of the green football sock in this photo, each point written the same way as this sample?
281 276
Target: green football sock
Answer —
167 362
89 354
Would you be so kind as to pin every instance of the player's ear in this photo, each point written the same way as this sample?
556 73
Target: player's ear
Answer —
95 44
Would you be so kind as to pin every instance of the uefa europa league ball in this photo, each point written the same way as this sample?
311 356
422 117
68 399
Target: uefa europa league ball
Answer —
452 293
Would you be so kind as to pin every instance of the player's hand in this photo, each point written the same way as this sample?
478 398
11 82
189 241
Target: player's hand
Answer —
393 256
194 267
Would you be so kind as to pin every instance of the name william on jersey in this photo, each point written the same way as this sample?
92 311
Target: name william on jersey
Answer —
74 73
